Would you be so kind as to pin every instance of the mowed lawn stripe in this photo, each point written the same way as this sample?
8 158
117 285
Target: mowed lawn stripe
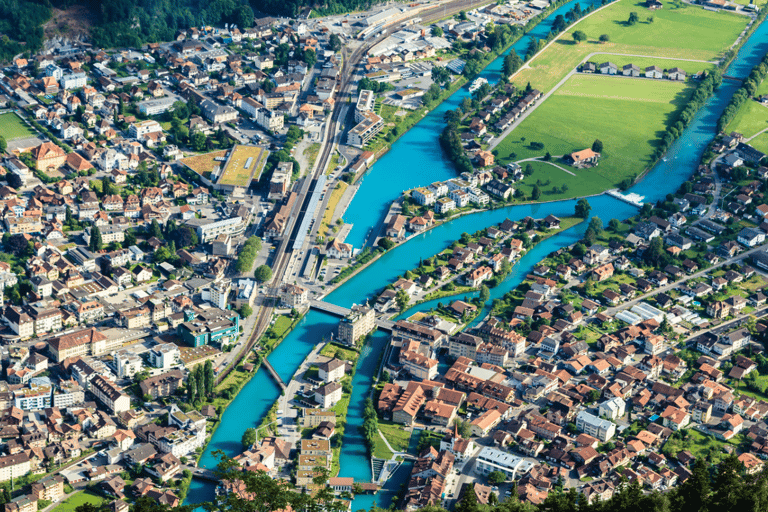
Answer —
621 88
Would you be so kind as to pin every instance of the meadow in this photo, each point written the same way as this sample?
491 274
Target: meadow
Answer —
678 31
12 127
751 118
628 115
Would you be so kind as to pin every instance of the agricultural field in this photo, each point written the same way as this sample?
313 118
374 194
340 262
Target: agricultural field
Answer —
204 164
12 127
244 163
751 118
628 115
678 31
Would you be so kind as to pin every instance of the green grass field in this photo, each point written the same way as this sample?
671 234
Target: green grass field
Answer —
12 127
682 33
627 115
750 119
81 498
396 435
760 142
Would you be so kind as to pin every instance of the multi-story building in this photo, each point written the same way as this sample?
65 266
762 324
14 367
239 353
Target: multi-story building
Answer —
365 130
590 424
218 293
78 343
110 395
134 318
464 345
270 119
208 230
209 326
33 398
73 80
20 322
314 417
181 442
128 364
280 181
293 296
162 385
141 128
358 323
493 459
164 356
48 156
69 393
109 234
23 503
24 225
155 107
50 488
365 103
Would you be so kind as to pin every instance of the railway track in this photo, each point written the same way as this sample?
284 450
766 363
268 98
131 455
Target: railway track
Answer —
285 250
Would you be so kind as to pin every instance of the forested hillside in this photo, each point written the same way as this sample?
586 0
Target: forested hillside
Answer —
122 23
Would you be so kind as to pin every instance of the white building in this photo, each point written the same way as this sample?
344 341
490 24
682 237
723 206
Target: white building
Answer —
590 424
612 409
164 356
492 459
73 80
127 364
270 119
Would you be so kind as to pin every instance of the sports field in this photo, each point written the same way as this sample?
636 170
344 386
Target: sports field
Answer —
751 118
628 115
687 32
236 174
12 127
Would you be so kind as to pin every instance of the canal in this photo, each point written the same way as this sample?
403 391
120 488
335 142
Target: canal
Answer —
260 393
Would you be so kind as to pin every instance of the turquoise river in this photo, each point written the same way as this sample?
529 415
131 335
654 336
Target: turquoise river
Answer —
415 160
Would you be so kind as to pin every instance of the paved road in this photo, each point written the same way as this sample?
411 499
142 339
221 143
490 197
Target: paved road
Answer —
612 311
538 159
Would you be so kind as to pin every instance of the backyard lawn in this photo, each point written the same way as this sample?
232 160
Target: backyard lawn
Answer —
12 127
588 108
396 435
81 498
333 350
685 32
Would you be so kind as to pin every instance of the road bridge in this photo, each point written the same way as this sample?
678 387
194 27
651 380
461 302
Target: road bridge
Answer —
341 312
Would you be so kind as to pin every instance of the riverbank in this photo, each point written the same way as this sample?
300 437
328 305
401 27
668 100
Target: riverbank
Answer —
260 393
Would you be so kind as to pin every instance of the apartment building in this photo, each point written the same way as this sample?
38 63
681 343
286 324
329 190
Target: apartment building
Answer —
358 323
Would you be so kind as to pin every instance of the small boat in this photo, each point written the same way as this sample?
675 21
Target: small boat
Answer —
477 84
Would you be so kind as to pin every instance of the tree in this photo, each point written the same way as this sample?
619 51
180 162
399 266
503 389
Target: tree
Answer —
579 36
597 146
14 180
154 230
605 38
536 193
334 42
130 238
191 387
386 243
310 57
95 244
263 274
464 428
441 75
614 225
650 19
633 18
437 31
245 311
582 208
402 299
3 144
250 436
485 294
496 477
596 225
210 378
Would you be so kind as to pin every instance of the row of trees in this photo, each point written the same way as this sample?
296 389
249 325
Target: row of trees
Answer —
744 93
200 382
248 254
370 426
704 90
